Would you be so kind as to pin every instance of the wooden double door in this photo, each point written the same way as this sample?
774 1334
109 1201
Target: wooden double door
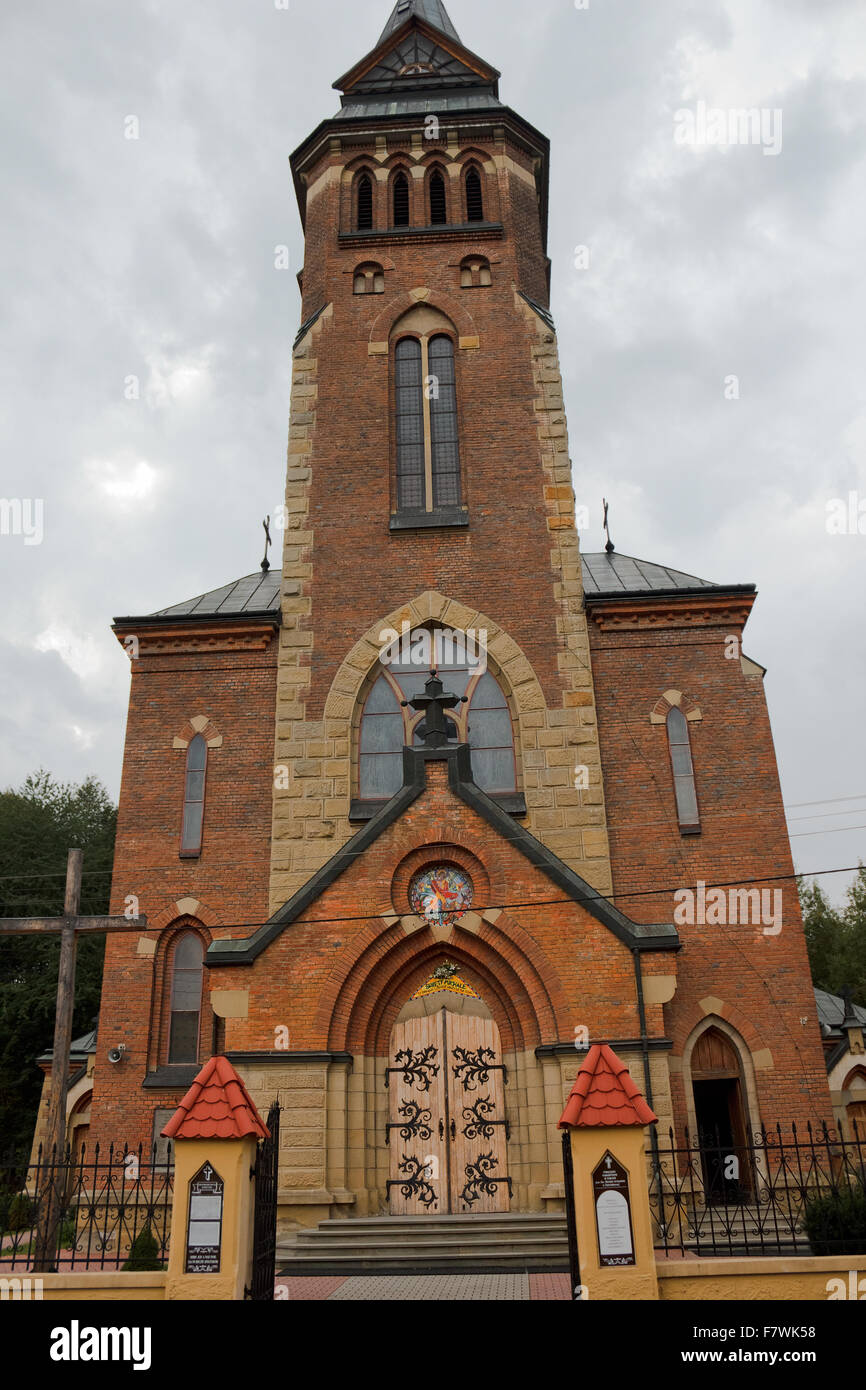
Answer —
446 1123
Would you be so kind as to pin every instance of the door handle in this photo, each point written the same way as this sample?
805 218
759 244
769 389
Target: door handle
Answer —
453 1129
441 1129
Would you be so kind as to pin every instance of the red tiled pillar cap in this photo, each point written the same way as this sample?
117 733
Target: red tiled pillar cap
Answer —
216 1106
604 1094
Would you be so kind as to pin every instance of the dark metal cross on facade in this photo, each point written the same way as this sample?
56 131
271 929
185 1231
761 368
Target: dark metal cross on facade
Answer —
434 702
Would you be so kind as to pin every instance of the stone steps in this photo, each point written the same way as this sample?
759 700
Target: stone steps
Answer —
419 1244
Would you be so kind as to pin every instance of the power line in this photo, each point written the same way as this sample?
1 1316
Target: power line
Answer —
555 902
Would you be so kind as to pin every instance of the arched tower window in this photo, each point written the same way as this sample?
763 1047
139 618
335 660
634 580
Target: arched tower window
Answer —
186 989
484 722
193 799
428 455
474 197
411 442
364 212
438 209
445 458
683 771
401 201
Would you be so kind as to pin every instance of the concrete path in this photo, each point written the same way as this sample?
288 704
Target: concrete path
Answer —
376 1288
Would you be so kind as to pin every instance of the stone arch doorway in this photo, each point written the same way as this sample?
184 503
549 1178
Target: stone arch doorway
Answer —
447 1129
721 1114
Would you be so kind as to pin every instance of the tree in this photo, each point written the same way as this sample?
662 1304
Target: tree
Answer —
39 823
836 938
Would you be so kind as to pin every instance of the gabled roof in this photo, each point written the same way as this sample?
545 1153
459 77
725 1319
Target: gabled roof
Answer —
433 11
216 1106
418 54
604 1094
637 936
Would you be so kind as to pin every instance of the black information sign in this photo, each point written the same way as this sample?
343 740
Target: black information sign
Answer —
613 1213
204 1230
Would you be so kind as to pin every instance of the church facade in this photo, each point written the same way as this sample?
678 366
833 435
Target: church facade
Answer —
404 904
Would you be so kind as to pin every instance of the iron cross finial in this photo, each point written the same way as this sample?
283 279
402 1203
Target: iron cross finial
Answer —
266 564
434 702
609 545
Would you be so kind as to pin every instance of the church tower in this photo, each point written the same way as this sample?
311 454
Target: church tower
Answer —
429 482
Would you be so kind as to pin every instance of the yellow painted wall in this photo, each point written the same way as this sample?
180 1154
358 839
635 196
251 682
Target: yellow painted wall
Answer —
110 1286
777 1278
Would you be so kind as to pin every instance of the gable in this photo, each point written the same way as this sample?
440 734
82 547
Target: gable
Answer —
417 61
513 837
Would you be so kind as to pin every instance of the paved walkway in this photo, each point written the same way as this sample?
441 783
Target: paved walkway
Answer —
477 1288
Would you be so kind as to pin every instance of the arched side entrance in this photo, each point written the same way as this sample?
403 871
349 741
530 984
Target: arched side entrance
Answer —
447 1130
722 1118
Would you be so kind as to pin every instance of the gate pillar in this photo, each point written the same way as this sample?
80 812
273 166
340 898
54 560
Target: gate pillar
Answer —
215 1130
607 1198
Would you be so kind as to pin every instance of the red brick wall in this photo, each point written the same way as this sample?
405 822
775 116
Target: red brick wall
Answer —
237 691
763 979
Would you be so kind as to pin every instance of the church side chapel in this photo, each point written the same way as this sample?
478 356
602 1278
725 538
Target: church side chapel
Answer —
413 818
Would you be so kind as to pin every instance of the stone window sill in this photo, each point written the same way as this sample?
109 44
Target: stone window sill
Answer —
417 521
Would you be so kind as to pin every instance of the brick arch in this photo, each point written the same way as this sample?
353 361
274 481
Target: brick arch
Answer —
463 321
382 967
184 908
675 699
687 1027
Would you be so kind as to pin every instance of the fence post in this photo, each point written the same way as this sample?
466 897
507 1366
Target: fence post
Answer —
215 1130
605 1116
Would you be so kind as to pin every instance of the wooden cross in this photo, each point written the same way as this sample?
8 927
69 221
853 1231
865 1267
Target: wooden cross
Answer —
68 926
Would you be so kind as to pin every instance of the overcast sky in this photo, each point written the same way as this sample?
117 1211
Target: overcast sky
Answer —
153 258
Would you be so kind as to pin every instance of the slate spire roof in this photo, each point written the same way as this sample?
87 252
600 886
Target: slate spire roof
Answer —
604 1094
433 11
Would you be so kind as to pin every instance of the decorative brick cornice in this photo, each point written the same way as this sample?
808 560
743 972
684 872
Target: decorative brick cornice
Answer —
221 635
635 613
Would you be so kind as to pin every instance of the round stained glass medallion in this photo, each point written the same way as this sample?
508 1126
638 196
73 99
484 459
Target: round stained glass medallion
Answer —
441 894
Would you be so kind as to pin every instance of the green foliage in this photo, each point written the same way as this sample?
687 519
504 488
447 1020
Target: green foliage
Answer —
144 1254
836 939
836 1223
20 1213
39 823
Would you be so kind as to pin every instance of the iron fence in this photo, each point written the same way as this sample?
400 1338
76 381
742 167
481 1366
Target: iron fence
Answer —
801 1192
74 1211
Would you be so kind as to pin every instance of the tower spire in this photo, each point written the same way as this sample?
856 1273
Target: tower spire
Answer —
433 11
